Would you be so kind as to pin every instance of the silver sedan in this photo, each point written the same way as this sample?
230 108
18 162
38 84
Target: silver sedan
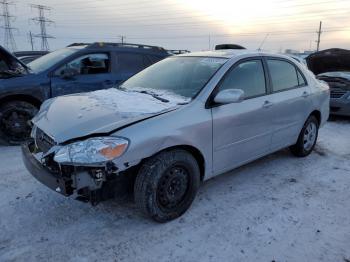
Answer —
175 124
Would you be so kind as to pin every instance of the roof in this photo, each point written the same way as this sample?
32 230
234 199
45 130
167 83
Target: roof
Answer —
139 47
230 53
30 53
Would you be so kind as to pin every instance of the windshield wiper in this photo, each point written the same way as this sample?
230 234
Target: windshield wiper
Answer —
154 95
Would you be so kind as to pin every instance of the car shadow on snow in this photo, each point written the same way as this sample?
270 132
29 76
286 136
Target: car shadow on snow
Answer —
339 119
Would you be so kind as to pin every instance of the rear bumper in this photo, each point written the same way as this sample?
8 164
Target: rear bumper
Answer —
340 106
45 176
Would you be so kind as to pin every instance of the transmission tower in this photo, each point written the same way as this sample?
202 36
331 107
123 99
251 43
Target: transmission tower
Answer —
43 22
9 40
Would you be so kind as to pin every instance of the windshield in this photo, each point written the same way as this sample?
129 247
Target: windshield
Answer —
342 74
180 76
45 62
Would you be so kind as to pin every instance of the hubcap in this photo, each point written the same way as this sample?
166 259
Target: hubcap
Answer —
310 136
172 187
14 124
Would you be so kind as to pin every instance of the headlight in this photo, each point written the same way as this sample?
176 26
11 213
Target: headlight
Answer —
95 150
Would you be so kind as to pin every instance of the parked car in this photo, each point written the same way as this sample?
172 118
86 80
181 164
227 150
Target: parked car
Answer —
29 56
333 67
179 122
76 68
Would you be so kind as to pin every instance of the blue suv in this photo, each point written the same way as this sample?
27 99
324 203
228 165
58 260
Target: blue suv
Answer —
77 68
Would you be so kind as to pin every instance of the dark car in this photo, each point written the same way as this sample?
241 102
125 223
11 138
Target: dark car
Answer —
29 56
74 69
333 67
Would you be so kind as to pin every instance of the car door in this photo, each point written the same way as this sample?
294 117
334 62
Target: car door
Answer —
289 96
92 72
242 131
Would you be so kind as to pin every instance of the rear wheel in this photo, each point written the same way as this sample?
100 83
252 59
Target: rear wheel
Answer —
166 185
307 138
14 121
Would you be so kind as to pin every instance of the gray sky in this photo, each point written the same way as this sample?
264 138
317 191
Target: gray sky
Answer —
188 24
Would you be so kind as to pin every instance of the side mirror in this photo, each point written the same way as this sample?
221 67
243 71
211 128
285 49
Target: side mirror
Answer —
228 96
69 73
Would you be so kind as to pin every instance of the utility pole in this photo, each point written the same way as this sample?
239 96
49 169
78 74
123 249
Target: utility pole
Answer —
9 40
319 32
31 40
122 38
42 21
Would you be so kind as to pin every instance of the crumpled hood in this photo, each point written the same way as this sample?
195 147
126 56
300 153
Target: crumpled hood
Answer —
330 60
73 116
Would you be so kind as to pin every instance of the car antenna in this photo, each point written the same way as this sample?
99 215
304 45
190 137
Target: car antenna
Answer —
263 42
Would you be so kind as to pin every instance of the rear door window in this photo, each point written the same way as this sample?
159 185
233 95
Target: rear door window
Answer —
154 59
284 75
131 63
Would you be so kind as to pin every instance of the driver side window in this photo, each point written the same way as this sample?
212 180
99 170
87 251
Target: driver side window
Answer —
248 76
90 64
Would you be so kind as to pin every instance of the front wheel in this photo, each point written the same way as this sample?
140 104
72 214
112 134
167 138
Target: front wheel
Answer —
14 121
166 185
307 138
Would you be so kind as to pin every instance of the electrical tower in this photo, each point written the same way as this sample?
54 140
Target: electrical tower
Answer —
9 40
43 22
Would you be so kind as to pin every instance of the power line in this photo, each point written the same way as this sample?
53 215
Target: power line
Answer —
42 21
9 39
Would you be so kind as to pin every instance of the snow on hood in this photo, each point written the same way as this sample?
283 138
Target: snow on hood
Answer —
73 116
330 60
133 101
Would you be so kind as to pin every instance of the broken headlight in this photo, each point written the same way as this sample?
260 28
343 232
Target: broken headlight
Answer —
96 150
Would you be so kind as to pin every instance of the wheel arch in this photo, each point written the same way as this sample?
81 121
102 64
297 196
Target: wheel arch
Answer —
20 97
317 114
195 152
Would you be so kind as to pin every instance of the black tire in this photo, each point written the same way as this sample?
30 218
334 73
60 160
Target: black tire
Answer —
14 121
167 184
300 149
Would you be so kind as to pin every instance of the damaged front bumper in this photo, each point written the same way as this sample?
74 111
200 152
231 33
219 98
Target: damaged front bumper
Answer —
52 180
87 183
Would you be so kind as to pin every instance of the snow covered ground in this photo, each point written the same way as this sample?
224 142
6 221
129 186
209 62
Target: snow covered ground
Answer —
279 208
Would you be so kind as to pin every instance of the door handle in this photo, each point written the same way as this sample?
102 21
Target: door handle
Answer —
267 104
305 94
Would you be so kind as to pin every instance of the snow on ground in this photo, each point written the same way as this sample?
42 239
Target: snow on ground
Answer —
279 208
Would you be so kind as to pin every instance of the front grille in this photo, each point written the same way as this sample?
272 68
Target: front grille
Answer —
337 93
43 141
